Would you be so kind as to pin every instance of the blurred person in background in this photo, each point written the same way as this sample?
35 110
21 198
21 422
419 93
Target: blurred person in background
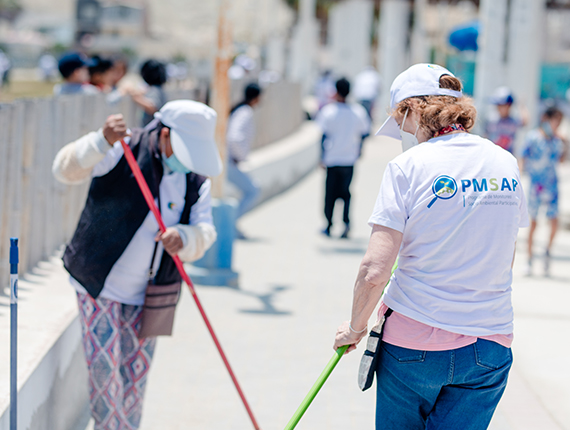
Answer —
101 73
119 70
5 68
239 138
502 129
325 89
543 150
74 70
48 67
153 98
344 126
367 88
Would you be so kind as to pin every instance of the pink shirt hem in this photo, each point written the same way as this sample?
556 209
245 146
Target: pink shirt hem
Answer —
405 332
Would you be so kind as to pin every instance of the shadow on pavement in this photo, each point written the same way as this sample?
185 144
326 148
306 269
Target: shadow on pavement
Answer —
251 239
341 250
266 301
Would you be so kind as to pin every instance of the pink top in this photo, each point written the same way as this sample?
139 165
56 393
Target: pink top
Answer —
405 332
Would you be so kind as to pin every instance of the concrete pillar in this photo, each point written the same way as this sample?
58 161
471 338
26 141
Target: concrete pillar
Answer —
420 48
275 47
276 54
489 72
307 9
393 55
304 46
350 27
526 36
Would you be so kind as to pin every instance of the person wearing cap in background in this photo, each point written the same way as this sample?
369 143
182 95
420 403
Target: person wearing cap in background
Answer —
239 138
116 240
344 126
502 129
450 206
74 70
543 150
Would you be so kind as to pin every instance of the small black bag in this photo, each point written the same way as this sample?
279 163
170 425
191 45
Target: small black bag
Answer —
369 359
159 303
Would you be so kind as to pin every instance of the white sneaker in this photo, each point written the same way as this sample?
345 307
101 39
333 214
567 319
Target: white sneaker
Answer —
528 269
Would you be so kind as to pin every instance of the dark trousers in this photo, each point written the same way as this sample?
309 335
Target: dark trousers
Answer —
337 187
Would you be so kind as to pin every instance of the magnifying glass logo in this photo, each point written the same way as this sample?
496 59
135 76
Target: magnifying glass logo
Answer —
444 187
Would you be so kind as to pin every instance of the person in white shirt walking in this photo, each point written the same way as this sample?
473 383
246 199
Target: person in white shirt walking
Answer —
344 126
239 137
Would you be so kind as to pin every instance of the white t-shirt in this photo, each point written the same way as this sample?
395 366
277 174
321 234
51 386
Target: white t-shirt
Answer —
366 85
241 132
343 124
459 202
127 280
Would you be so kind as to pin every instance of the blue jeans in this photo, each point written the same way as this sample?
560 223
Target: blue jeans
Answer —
249 190
443 390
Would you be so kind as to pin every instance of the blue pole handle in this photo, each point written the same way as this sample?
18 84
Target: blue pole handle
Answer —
14 260
14 257
14 333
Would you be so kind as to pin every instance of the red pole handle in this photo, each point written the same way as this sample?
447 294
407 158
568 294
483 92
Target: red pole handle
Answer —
150 201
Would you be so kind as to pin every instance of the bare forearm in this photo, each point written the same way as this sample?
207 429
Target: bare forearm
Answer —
373 276
368 290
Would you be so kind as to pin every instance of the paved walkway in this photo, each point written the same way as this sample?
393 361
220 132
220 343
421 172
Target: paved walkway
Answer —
295 288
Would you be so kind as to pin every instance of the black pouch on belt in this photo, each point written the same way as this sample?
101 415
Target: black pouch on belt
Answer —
369 359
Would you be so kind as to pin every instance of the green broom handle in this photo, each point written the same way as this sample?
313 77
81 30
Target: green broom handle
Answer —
316 387
320 381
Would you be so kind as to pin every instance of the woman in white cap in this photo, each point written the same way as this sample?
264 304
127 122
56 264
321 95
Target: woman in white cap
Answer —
450 206
116 252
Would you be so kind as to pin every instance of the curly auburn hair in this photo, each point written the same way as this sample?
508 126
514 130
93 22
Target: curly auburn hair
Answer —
437 112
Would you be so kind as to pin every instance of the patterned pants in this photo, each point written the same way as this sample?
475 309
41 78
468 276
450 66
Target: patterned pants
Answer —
118 362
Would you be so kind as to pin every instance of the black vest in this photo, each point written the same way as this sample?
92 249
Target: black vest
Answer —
114 211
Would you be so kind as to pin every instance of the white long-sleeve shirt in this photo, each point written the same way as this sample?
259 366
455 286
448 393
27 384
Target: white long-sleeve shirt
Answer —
91 156
241 132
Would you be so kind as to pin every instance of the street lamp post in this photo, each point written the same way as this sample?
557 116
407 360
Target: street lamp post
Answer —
221 90
215 268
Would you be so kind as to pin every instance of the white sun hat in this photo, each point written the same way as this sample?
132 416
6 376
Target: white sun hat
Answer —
192 127
418 80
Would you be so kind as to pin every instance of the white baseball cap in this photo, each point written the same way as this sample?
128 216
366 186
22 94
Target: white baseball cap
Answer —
418 80
502 96
192 127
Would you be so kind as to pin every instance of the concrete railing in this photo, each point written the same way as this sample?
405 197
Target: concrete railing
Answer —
42 212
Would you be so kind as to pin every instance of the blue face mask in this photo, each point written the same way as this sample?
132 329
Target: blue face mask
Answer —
174 164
